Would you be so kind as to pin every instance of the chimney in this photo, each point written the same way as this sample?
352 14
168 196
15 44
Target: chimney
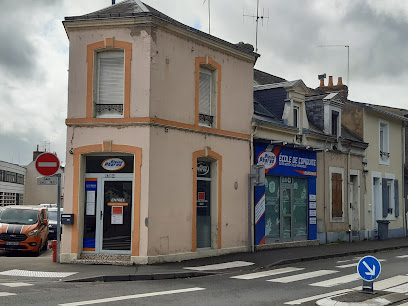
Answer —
36 154
340 81
330 81
322 83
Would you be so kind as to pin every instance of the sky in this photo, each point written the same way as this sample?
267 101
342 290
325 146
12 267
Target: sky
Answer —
297 39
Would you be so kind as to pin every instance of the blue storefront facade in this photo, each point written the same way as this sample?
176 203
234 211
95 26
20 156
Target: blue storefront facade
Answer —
285 207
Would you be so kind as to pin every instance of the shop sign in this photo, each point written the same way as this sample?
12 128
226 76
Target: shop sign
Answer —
113 164
286 161
202 169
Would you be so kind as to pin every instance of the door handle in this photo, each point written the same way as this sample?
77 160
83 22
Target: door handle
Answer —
101 214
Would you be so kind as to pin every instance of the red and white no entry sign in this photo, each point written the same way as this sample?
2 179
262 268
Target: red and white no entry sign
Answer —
47 164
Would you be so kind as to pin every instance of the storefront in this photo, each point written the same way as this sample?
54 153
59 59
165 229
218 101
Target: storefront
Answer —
108 205
285 208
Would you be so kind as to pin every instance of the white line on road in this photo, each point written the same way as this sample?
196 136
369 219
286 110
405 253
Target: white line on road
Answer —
302 276
27 273
402 256
388 282
221 266
16 284
337 281
354 264
266 273
130 297
6 294
316 297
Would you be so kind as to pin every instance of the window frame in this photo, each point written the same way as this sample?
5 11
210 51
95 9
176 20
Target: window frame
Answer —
202 122
384 142
296 113
335 123
335 170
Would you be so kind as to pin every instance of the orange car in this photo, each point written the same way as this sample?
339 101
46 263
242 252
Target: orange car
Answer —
24 228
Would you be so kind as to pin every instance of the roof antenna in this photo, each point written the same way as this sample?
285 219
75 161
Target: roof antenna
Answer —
348 59
257 17
209 16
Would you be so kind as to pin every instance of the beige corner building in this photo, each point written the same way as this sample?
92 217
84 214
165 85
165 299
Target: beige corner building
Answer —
158 138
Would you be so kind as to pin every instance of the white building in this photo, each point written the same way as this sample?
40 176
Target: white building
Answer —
12 179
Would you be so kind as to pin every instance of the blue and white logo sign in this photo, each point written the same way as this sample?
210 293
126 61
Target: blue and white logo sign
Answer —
369 268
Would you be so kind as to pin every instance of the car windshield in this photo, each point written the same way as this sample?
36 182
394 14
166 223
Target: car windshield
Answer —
19 216
52 215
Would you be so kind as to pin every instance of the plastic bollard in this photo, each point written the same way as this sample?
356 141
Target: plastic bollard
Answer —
53 246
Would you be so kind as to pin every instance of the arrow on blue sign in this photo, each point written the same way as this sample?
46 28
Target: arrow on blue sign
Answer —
369 268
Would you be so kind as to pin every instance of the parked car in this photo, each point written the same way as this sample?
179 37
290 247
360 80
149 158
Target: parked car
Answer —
24 228
52 223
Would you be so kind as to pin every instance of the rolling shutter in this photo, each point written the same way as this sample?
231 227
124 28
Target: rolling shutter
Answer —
337 195
396 197
385 198
205 92
111 73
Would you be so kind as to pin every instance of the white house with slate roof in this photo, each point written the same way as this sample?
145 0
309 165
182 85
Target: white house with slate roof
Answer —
158 138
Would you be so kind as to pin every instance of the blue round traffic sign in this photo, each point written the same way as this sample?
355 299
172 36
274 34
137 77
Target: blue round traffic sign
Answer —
369 268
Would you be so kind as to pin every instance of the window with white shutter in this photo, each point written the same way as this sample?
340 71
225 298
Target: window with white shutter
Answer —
109 87
206 97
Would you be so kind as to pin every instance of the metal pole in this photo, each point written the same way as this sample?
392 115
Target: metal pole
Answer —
58 217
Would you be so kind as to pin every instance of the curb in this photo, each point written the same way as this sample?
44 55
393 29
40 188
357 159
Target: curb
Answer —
138 277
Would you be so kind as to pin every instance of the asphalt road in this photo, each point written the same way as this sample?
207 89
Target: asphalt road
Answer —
277 286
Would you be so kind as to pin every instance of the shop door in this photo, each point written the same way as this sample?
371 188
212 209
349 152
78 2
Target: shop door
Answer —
116 216
286 224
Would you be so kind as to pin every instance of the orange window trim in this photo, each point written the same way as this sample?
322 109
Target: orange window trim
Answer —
217 157
108 44
80 151
198 62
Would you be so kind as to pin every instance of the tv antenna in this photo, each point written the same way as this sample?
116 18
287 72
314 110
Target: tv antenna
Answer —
348 59
257 17
209 15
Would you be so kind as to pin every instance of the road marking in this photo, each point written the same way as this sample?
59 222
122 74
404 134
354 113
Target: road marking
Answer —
341 261
135 296
388 282
398 289
266 273
353 264
6 294
320 296
221 266
16 284
337 281
302 276
402 256
36 273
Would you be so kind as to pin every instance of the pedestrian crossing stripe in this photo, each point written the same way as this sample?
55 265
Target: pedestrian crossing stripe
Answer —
354 264
6 294
267 273
302 276
16 284
319 296
337 281
221 266
402 256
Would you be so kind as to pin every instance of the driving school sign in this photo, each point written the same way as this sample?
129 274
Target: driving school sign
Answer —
286 161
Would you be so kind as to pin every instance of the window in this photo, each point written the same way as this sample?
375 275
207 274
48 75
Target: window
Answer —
336 194
384 143
206 97
296 116
335 123
390 198
109 87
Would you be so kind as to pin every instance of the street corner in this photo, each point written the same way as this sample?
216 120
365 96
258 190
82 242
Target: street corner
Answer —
361 298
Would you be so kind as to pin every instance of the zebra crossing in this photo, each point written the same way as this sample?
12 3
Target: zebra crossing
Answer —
12 285
287 275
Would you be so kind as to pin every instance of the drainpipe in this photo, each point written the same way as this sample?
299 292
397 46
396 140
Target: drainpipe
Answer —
324 189
251 246
403 177
348 190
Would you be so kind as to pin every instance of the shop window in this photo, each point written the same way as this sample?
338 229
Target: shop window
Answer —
204 205
207 98
272 209
336 184
384 143
109 85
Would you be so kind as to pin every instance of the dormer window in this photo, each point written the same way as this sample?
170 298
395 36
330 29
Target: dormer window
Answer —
335 123
296 116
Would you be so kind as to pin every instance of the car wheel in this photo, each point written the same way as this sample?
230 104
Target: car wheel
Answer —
38 252
45 246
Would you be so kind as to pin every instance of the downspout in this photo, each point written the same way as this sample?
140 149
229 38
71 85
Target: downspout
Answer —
324 189
251 246
348 191
403 178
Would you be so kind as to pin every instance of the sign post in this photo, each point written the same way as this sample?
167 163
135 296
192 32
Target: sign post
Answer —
255 178
48 164
369 268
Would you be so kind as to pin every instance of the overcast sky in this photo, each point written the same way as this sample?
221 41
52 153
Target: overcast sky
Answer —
295 41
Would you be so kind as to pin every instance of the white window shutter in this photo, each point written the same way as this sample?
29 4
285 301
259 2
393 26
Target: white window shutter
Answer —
205 93
111 78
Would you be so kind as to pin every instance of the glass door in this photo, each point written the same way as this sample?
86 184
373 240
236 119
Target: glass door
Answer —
286 229
116 216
